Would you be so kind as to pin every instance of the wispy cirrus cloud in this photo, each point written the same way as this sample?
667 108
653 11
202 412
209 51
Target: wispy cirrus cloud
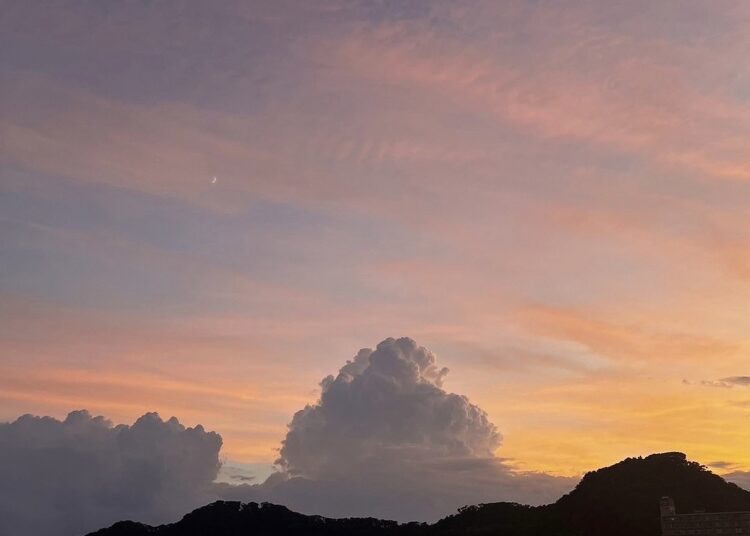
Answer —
729 382
642 109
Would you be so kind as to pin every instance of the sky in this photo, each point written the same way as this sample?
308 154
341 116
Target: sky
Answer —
208 208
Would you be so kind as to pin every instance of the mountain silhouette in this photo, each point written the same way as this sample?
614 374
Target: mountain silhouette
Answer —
619 500
233 518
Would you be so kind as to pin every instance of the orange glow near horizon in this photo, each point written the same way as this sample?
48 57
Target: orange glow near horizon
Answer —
553 200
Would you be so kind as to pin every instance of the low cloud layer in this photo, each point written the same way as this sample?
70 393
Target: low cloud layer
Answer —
69 477
728 383
735 474
738 380
741 478
384 439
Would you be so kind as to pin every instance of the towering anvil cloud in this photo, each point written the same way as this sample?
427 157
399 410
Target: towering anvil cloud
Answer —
385 439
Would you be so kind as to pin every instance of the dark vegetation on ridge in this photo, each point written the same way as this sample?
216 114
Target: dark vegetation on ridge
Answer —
617 501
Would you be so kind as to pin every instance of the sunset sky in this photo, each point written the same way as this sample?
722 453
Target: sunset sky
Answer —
208 207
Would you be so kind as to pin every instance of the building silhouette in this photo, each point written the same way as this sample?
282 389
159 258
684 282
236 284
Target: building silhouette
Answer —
701 523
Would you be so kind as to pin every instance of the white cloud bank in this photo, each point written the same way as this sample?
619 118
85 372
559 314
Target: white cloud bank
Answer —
385 439
69 477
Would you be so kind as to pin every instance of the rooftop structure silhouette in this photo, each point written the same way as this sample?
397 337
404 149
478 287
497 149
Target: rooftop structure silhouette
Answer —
701 523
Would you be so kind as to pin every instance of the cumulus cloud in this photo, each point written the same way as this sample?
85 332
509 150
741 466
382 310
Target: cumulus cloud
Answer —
72 476
385 439
387 400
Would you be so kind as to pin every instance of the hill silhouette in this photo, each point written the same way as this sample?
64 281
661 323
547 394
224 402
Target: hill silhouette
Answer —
232 517
619 500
